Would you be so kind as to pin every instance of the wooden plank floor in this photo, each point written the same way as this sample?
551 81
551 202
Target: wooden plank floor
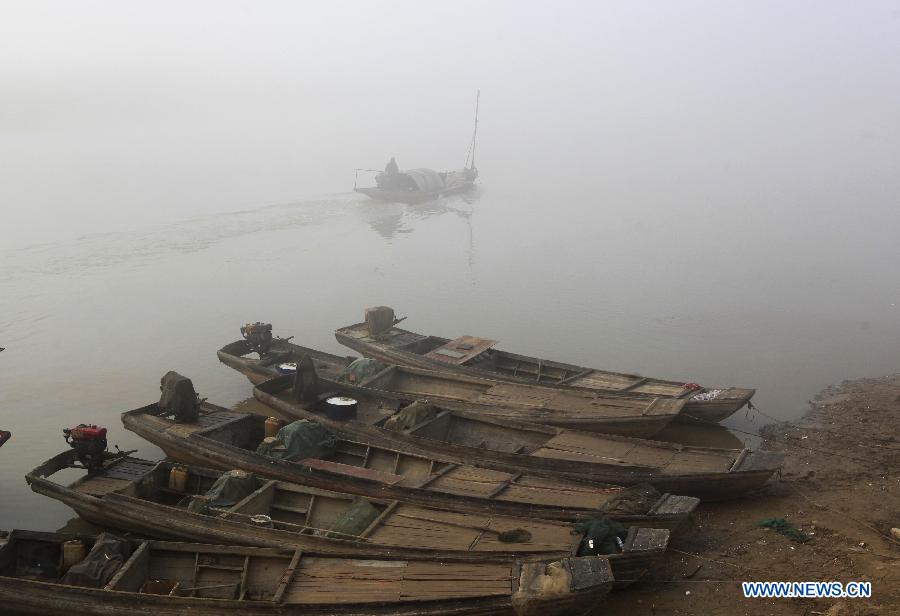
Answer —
114 478
437 529
604 380
590 448
322 580
485 482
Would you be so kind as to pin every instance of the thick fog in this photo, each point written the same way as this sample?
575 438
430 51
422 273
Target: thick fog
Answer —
701 191
768 114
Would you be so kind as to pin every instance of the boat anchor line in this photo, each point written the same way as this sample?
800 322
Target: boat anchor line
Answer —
863 461
884 535
753 407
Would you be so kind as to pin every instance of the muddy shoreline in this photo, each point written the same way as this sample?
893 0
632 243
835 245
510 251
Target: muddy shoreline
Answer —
840 486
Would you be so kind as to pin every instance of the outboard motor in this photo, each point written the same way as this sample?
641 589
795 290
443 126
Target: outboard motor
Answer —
89 443
259 335
380 320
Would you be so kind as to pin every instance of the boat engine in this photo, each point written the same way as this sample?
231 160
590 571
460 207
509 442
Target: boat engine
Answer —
259 335
89 443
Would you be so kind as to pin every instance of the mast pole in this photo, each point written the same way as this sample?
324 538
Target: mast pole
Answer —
475 131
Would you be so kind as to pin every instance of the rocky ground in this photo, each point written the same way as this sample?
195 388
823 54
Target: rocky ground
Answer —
840 485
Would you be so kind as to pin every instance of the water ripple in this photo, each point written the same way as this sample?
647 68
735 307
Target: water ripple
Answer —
100 250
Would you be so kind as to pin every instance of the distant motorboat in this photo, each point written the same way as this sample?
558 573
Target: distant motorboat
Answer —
420 184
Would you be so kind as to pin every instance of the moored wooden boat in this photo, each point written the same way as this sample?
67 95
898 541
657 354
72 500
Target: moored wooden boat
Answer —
586 410
239 355
477 357
159 578
137 495
565 408
467 438
226 439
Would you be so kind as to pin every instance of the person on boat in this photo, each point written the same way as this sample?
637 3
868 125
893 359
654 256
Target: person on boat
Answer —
392 168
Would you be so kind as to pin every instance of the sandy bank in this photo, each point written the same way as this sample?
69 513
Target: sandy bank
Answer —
841 486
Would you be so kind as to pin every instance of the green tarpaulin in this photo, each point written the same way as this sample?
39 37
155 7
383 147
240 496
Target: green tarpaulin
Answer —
230 488
360 370
412 415
355 520
600 536
299 440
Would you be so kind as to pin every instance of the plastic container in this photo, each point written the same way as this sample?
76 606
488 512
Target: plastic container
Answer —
178 478
73 553
273 425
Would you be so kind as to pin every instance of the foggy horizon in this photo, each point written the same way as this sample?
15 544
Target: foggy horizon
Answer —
118 116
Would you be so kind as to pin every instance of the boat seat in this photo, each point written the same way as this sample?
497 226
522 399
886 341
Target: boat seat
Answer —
133 573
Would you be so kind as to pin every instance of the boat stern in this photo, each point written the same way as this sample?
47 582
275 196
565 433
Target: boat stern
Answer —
760 460
567 586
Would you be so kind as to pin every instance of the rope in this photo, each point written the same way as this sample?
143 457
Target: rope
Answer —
842 514
712 560
789 444
752 407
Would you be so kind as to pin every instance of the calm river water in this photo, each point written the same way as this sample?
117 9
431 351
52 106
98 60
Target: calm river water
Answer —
786 303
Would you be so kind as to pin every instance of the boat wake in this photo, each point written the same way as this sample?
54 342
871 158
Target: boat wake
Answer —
101 250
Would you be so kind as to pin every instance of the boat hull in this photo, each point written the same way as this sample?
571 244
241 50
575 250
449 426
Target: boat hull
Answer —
500 400
125 512
753 472
235 356
750 470
514 589
670 511
411 197
695 411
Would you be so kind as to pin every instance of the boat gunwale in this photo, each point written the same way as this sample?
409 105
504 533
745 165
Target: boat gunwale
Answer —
126 511
62 598
225 456
556 414
371 347
602 473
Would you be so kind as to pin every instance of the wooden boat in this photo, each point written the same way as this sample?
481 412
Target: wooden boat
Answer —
515 446
569 408
501 400
477 357
137 495
226 439
460 437
160 578
419 185
240 356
